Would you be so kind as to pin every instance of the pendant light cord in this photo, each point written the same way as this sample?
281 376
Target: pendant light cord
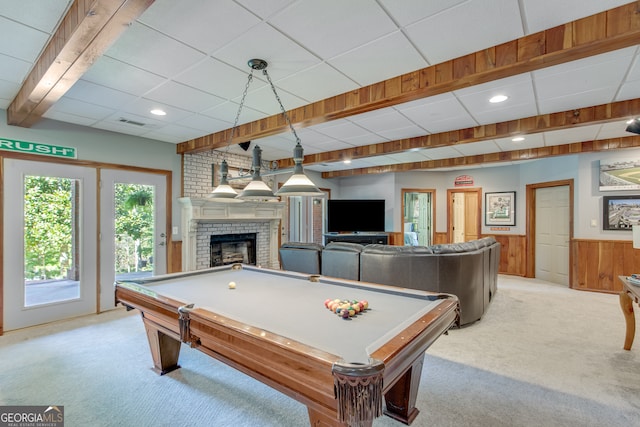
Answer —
284 112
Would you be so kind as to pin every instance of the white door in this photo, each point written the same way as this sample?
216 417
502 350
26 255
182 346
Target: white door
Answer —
458 217
133 231
552 234
50 254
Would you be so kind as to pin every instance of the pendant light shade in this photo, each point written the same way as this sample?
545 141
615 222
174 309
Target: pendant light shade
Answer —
298 184
257 190
224 192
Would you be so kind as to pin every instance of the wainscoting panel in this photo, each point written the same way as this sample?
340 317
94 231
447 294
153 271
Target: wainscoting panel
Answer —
598 263
512 254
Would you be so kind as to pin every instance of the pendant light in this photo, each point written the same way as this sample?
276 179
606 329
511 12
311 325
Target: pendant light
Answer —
257 190
298 184
224 192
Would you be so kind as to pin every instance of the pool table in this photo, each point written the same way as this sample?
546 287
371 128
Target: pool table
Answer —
274 326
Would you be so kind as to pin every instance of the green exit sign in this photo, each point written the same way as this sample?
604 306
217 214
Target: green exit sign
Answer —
37 148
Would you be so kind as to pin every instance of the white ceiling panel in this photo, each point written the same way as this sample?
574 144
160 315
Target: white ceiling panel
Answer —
380 60
521 101
440 153
437 114
568 136
538 17
201 24
184 97
99 95
13 70
121 76
331 27
466 28
285 57
407 12
150 50
530 141
483 147
326 82
19 41
217 78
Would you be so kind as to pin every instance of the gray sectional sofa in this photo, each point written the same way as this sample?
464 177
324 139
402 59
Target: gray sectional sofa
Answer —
468 270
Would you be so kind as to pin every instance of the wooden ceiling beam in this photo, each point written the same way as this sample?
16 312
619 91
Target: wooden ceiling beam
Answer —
499 157
84 34
599 114
604 32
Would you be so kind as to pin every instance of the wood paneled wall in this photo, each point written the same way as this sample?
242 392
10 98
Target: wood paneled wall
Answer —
512 254
598 263
175 257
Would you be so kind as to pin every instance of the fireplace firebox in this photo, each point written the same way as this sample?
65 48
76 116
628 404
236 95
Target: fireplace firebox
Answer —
232 248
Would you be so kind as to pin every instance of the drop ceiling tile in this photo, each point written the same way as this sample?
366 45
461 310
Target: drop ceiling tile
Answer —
440 153
568 136
145 48
475 148
182 132
265 8
114 126
229 110
218 78
68 118
465 28
379 60
43 16
142 108
13 70
613 130
81 109
341 129
381 120
109 72
183 97
316 83
538 18
283 55
204 123
521 101
438 113
534 140
629 90
590 81
331 27
92 93
8 90
409 11
20 41
263 99
410 131
204 25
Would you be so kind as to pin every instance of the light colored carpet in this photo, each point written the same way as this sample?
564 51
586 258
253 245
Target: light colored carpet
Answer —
542 355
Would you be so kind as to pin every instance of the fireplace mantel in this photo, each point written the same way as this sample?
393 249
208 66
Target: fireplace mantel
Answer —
198 210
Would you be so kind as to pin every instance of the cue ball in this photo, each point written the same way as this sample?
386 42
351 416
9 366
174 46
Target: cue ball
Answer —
232 285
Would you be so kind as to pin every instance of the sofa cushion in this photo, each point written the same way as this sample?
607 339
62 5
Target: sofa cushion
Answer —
301 257
342 260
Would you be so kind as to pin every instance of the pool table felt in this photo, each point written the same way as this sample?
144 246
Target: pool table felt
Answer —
291 306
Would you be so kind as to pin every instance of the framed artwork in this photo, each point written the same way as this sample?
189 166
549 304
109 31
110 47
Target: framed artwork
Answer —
620 212
500 208
621 174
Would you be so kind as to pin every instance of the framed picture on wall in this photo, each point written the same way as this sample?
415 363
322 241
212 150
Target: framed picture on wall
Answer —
620 212
500 208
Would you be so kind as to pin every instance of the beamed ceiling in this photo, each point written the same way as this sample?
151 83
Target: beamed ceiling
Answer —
391 85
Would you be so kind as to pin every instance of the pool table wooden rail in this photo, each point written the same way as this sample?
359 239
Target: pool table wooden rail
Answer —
301 372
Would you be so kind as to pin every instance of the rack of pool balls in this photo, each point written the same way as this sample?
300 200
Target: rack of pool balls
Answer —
346 308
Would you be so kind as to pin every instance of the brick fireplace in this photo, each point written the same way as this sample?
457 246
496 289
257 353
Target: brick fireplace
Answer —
204 218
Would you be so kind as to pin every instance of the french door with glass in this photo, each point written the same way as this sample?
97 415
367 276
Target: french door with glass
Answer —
50 254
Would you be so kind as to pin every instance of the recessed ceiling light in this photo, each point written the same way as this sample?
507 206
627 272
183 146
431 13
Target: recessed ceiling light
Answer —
498 98
347 162
158 112
518 139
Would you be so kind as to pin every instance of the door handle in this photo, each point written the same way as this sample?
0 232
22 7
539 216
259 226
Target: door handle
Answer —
164 240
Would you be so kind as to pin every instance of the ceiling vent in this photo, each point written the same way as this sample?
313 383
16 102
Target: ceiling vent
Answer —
130 122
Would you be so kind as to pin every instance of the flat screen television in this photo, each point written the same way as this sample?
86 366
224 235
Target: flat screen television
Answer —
355 215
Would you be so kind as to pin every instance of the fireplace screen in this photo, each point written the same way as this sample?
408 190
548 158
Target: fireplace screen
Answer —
233 248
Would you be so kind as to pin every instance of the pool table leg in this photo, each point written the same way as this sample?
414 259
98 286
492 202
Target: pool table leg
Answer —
626 304
165 349
401 398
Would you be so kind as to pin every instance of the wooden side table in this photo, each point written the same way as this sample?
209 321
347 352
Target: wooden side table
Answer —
629 294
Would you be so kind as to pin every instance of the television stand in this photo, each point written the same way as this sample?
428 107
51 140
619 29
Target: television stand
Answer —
362 238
